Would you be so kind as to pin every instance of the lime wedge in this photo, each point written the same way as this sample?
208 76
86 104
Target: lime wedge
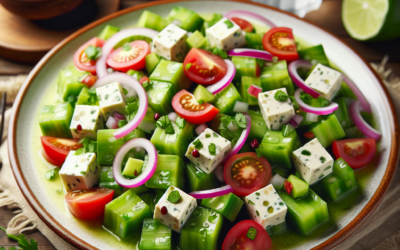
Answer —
371 20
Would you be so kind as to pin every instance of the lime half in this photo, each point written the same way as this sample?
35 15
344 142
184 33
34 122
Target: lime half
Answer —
371 20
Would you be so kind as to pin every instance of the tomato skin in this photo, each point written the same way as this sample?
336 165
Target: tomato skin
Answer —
90 65
261 180
88 204
193 116
89 80
355 152
243 24
238 234
199 61
55 150
129 59
289 52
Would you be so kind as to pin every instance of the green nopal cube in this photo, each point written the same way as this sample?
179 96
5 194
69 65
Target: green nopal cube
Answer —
124 215
155 236
55 120
245 66
228 205
169 171
185 19
160 96
276 77
69 83
172 72
226 99
196 40
152 21
198 180
244 85
152 60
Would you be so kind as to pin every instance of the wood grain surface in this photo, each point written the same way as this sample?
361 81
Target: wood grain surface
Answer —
328 16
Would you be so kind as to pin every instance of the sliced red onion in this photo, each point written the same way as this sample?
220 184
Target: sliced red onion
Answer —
172 116
119 116
243 13
310 109
310 117
225 81
254 90
293 66
219 173
255 53
362 125
199 129
296 120
101 67
127 81
241 107
363 102
146 174
241 141
277 181
211 193
111 123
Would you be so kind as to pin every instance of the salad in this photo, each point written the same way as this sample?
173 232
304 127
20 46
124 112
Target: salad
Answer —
203 132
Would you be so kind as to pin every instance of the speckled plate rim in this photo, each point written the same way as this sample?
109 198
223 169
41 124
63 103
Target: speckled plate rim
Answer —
333 241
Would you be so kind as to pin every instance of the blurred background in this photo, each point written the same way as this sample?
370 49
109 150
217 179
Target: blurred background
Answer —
29 29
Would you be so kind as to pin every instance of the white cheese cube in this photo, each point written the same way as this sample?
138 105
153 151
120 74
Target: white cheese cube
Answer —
212 149
275 113
325 81
176 213
80 172
85 122
170 43
312 161
225 35
111 99
266 207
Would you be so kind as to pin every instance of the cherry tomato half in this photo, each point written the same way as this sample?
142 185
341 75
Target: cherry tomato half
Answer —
356 152
89 80
55 150
247 173
88 204
247 235
280 42
243 24
203 67
130 56
187 107
81 61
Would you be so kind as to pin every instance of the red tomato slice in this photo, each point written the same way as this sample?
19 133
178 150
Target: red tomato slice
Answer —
187 107
55 150
356 152
243 24
88 204
247 173
129 57
203 67
89 80
247 235
280 42
80 59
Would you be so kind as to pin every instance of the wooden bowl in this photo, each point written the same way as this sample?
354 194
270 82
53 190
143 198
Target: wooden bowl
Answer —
39 9
40 86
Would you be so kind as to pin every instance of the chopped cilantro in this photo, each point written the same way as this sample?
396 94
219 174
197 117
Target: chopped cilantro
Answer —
88 146
250 202
126 47
125 91
228 23
322 159
166 124
180 122
174 196
215 134
52 174
197 144
240 120
281 96
212 149
92 52
122 123
306 152
83 173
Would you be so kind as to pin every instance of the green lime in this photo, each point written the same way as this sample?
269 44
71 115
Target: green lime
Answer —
371 20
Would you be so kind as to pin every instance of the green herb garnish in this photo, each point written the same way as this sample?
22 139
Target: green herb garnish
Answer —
252 233
281 96
288 130
212 149
92 52
166 124
88 146
180 122
250 202
122 123
322 159
23 243
228 23
306 152
126 47
174 196
52 174
197 144
240 120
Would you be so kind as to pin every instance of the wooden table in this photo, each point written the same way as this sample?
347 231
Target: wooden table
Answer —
327 17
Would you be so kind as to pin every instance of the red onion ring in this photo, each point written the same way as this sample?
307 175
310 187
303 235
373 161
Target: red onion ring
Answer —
363 102
146 174
241 141
362 125
129 83
255 53
293 66
101 67
241 13
254 90
211 193
225 81
310 109
296 120
199 129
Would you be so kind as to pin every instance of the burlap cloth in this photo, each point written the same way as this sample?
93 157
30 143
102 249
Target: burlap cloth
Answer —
26 219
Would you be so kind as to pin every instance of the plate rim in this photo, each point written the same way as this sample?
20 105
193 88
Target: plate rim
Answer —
52 223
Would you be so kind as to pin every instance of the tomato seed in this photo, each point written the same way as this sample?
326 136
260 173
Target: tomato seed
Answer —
136 173
156 116
254 144
79 127
195 153
164 210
